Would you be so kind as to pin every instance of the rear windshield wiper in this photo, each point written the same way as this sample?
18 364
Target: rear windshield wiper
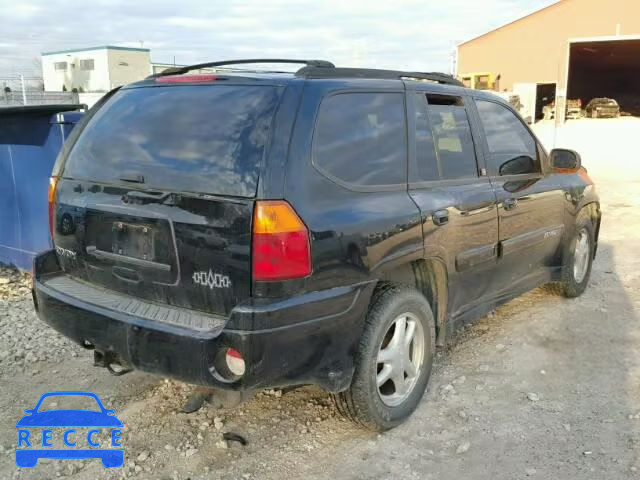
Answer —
133 178
145 198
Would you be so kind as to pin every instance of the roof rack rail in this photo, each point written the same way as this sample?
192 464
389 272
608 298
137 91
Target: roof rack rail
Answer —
310 71
319 64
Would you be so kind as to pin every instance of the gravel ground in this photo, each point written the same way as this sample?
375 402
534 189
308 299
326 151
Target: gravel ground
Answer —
544 388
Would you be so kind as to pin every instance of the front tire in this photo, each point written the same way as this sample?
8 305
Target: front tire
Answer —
577 268
393 363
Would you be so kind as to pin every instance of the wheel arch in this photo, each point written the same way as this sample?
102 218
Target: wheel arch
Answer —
428 276
592 211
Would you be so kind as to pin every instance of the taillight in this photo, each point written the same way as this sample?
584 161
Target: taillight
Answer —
53 183
281 249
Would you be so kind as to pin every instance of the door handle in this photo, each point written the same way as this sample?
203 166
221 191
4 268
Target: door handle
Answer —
440 217
510 203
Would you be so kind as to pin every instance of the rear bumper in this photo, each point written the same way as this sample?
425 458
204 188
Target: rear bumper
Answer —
608 112
308 339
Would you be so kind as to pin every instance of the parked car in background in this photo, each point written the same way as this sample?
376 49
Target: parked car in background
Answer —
602 107
251 230
573 109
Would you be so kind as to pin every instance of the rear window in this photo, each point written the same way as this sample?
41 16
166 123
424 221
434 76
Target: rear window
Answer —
204 139
360 138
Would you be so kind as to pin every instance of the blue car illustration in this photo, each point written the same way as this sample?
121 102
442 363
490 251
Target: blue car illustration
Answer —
68 418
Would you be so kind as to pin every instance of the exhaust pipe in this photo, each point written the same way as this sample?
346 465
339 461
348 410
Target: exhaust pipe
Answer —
118 369
111 362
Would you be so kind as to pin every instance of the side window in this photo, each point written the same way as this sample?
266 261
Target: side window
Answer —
452 133
427 161
87 64
512 149
360 138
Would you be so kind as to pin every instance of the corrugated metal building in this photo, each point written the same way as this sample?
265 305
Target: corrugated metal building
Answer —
571 49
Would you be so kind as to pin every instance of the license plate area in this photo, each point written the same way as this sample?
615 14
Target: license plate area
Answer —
134 240
142 249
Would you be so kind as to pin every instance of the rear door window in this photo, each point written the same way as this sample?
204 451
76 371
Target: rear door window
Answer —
203 139
360 138
427 161
456 153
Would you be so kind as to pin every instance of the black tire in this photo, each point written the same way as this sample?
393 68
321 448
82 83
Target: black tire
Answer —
568 285
362 403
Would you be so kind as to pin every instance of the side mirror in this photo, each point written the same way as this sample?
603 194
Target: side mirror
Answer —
28 410
565 160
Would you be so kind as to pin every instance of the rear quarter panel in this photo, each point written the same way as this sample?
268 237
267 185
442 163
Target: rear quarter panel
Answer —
356 236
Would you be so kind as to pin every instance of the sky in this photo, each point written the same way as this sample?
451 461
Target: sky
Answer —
402 34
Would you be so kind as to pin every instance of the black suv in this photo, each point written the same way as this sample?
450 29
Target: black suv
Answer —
251 229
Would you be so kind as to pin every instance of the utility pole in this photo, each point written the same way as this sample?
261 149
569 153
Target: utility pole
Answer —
24 93
454 60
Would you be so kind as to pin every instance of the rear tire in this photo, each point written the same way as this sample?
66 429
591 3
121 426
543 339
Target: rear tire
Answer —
577 268
397 344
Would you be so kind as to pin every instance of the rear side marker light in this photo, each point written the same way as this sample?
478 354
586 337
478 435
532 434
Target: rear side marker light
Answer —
53 183
281 249
186 78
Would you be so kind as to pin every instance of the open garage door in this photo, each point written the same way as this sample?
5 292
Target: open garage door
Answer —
607 68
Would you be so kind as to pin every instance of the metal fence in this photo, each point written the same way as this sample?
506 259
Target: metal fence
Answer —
16 82
12 99
19 90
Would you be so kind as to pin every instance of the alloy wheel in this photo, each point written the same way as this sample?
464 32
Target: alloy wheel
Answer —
581 256
400 358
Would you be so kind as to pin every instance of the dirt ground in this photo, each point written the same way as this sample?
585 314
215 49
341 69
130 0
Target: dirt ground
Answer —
544 388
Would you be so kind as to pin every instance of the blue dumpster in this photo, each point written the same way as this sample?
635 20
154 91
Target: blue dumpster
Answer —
30 139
